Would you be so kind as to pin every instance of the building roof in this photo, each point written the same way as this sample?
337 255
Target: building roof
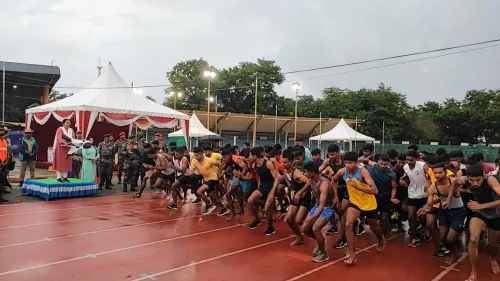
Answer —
24 84
236 122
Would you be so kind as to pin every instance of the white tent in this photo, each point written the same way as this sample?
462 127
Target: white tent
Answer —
109 98
342 132
196 129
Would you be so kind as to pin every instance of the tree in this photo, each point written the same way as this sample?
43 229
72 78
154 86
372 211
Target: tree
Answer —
234 86
55 95
422 126
372 107
484 111
187 77
237 93
453 122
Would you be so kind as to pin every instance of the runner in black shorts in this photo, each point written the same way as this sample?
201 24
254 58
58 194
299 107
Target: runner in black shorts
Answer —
451 214
299 206
332 165
486 213
180 166
385 180
268 183
208 168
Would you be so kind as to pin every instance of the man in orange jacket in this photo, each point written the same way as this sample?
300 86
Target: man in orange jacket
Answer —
4 161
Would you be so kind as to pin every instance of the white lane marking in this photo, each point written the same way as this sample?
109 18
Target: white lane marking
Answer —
117 250
75 208
93 232
213 258
334 262
77 219
449 268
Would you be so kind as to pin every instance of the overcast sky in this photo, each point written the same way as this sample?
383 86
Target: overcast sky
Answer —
145 38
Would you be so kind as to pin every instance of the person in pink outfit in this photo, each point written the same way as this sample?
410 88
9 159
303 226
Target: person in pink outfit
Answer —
63 163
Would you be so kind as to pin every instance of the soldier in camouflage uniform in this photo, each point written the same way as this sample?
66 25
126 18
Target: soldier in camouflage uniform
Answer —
119 145
106 161
162 143
140 144
131 162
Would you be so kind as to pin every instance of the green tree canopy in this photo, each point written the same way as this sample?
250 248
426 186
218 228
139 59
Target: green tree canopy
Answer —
454 121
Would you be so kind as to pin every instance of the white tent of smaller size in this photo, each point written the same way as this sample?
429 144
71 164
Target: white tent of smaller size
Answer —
342 132
196 129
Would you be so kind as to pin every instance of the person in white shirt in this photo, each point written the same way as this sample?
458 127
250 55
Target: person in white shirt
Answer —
416 174
300 142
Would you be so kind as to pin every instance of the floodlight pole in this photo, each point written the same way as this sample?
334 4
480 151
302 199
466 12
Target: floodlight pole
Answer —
3 95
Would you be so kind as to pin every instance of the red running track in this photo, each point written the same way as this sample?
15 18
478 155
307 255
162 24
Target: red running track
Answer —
121 238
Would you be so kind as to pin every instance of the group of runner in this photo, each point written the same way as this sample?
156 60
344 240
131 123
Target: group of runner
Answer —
440 195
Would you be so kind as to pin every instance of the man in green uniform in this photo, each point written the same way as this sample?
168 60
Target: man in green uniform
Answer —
106 161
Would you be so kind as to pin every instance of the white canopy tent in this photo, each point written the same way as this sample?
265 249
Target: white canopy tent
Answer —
342 132
109 98
196 129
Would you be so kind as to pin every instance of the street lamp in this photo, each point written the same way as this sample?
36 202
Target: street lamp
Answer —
210 75
214 100
296 88
175 95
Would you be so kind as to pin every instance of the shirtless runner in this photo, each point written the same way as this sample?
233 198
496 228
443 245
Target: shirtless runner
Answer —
486 213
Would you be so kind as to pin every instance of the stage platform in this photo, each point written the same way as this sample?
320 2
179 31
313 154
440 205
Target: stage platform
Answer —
51 188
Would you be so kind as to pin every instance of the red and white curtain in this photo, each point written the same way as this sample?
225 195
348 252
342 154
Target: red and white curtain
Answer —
42 117
86 119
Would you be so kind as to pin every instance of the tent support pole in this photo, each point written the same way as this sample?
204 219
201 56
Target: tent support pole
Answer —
83 126
320 121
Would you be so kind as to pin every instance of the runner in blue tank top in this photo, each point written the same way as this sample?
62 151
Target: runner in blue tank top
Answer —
322 211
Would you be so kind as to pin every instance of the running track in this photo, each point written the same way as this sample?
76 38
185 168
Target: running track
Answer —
121 238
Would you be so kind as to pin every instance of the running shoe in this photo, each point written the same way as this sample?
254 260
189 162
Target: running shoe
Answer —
394 215
197 201
270 231
419 227
414 243
332 230
441 251
254 224
138 195
223 212
321 257
395 229
172 207
209 209
359 229
428 237
341 243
